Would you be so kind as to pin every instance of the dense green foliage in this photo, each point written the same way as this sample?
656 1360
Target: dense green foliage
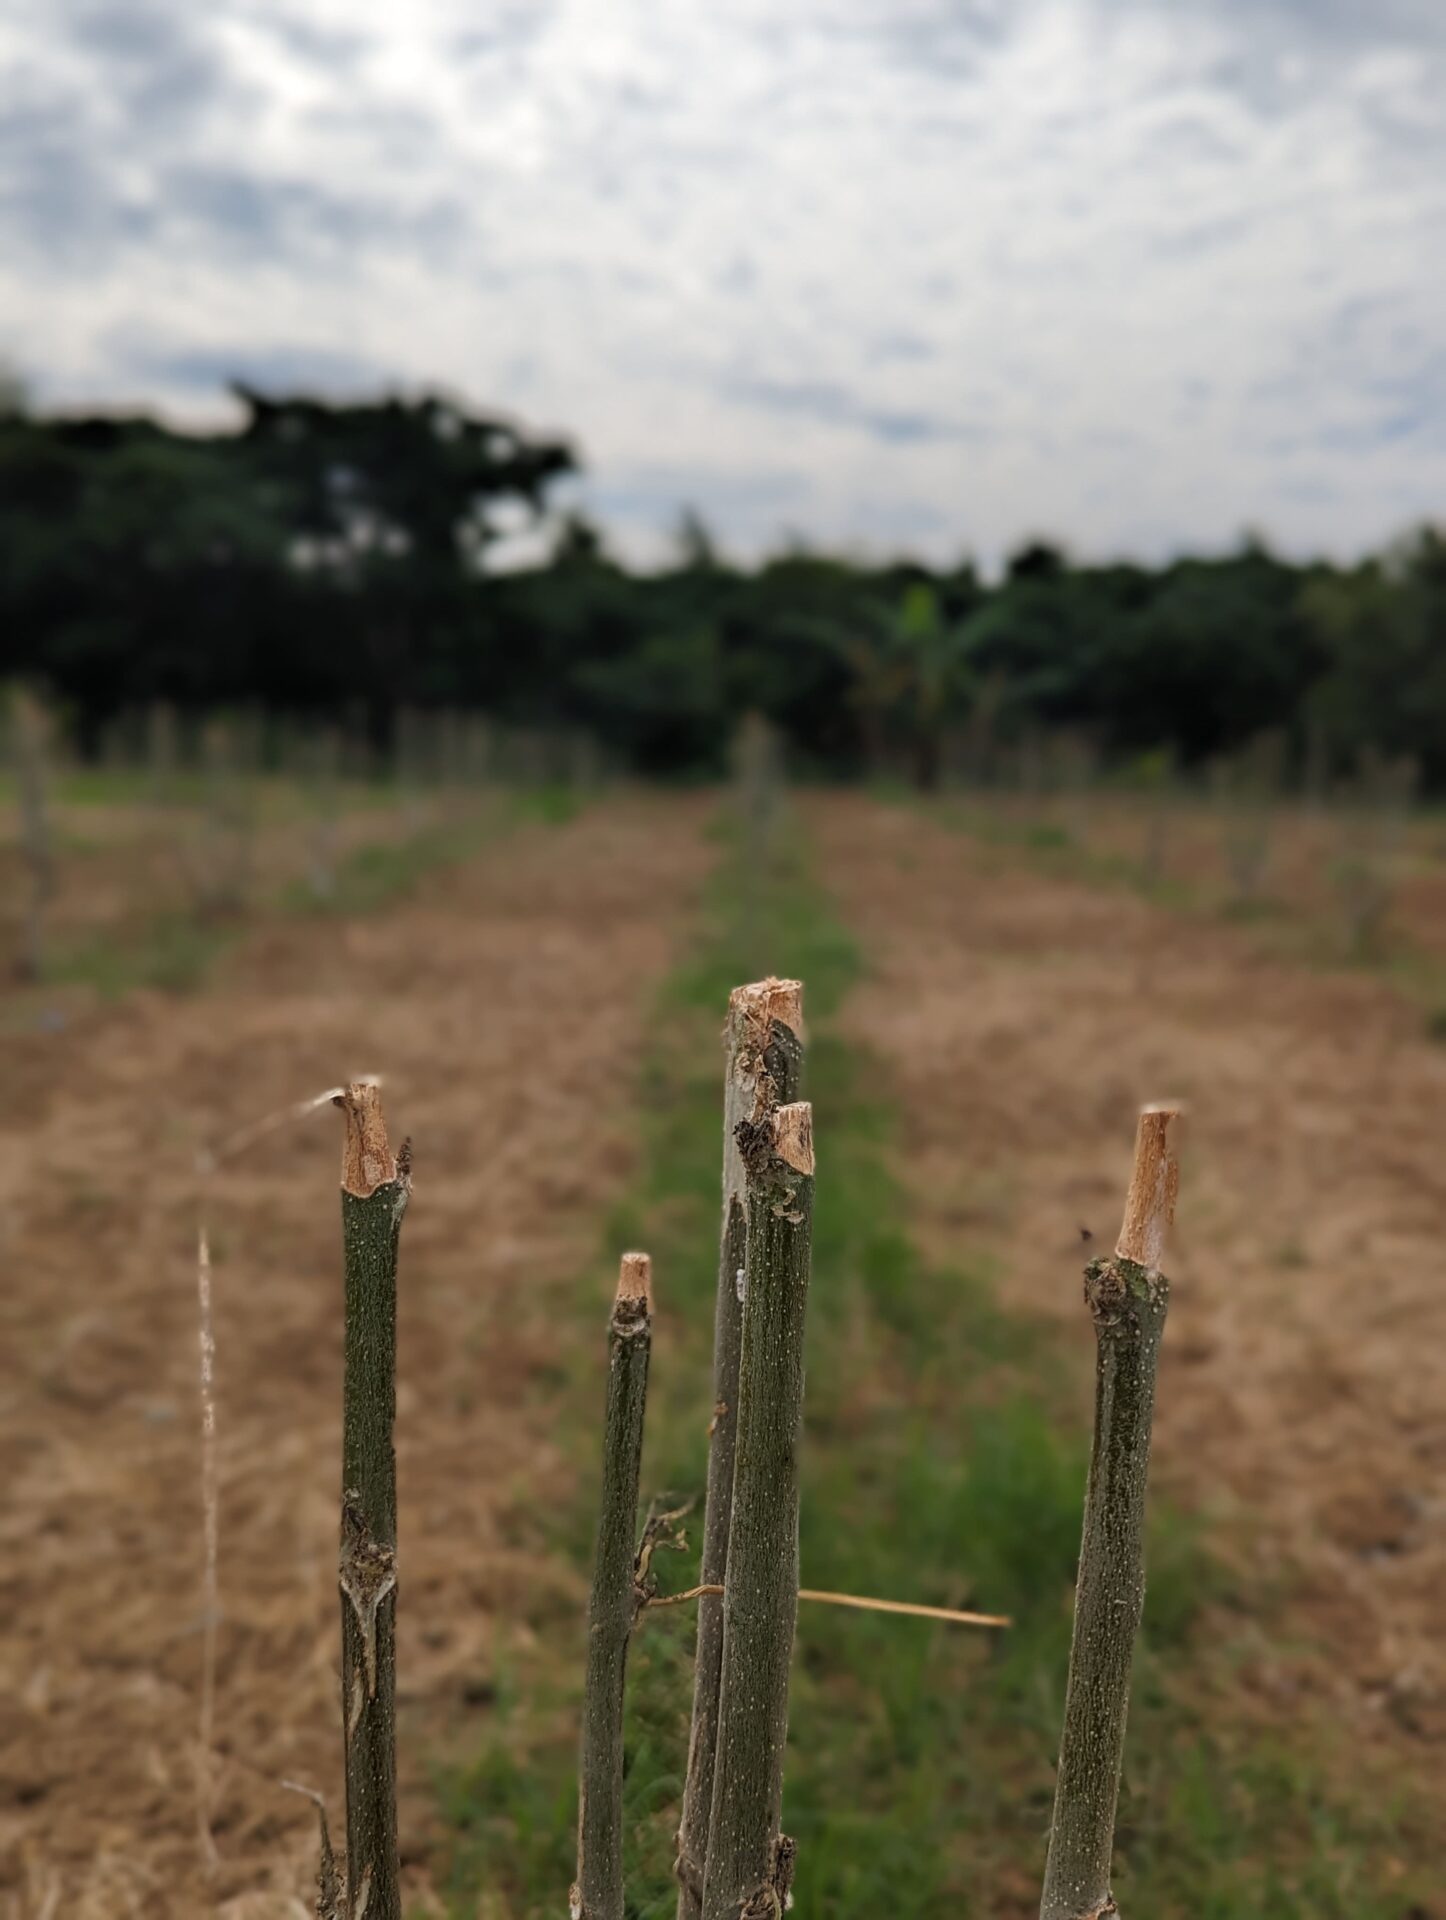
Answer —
335 560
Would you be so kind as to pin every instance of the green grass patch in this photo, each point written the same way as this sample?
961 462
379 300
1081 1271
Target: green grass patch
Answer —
936 1467
175 952
1058 850
377 874
381 872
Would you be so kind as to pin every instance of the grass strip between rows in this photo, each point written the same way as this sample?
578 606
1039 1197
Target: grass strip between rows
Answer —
936 1467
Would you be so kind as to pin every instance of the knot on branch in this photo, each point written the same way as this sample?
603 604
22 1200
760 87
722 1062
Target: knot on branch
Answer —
785 1858
633 1303
367 1574
630 1317
775 1896
660 1530
1116 1291
780 1145
687 1873
755 1144
762 1904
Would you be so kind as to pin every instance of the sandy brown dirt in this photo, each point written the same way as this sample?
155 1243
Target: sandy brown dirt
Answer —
1303 866
1023 1019
503 1004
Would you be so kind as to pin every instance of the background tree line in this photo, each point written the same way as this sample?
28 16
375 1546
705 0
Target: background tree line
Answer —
327 559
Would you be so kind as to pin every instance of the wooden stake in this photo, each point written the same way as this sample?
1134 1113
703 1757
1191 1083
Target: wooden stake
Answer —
597 1893
763 1042
374 1190
749 1864
1127 1297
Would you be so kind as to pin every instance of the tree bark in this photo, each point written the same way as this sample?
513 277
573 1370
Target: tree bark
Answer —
597 1893
749 1864
763 1042
375 1188
1127 1297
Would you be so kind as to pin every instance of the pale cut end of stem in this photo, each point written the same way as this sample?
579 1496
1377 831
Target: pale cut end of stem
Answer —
1154 1185
758 1014
367 1161
635 1281
793 1135
763 1001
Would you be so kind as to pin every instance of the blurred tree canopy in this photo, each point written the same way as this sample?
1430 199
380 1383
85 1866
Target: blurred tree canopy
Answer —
336 559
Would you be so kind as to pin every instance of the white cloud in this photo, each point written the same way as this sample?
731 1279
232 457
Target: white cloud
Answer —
913 273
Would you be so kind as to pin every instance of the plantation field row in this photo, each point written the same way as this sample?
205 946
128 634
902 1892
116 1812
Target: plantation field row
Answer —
543 1000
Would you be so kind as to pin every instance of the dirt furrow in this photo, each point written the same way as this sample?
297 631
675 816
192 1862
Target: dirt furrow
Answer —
503 1004
1022 1019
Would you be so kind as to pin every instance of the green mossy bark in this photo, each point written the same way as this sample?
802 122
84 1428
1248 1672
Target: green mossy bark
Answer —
749 1862
371 1229
598 1892
1128 1304
782 1070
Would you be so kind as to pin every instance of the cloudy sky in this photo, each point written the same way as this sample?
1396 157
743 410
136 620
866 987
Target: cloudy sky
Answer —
926 274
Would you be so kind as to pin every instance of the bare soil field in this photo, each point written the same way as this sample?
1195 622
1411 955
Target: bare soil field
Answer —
1021 1018
1018 1018
503 1003
1312 861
